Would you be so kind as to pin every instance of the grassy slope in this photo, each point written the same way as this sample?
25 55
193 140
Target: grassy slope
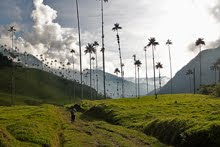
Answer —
41 86
49 125
188 120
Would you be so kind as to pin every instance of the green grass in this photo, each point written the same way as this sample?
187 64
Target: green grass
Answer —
30 125
183 120
49 125
36 86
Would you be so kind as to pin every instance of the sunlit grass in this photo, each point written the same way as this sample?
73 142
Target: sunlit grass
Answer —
176 119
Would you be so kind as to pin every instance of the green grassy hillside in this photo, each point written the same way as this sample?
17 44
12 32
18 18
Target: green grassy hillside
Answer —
34 86
47 125
181 120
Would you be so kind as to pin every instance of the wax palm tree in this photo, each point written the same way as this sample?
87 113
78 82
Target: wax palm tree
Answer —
96 44
169 43
93 66
217 64
135 76
189 73
103 45
145 51
116 72
159 66
138 64
116 28
74 91
214 68
153 43
90 49
80 48
12 30
199 43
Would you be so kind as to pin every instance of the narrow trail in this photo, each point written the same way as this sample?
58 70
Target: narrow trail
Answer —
94 133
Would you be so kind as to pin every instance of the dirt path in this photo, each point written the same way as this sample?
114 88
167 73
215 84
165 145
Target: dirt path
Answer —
93 133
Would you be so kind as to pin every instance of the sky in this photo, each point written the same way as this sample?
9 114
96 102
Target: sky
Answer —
49 27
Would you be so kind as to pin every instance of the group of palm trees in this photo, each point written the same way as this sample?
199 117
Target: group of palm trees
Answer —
152 43
199 43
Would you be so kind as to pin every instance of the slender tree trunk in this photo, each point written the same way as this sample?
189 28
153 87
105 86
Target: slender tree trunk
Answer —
190 89
136 80
171 72
194 80
138 84
73 78
219 75
146 71
200 65
117 87
122 73
97 78
215 76
159 79
155 89
80 48
103 48
13 72
90 76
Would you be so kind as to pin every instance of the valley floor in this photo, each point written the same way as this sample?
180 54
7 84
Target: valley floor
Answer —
48 125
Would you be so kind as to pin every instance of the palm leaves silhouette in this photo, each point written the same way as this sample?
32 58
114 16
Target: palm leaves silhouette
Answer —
90 49
12 30
153 43
138 64
200 42
135 76
159 66
169 43
116 28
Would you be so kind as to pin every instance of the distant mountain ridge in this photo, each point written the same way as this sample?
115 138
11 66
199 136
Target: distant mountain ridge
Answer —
181 82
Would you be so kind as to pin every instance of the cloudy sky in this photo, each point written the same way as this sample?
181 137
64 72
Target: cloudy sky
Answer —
50 27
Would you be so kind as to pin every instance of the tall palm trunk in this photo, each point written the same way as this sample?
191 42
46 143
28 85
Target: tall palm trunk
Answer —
90 76
74 95
200 65
13 73
103 48
97 78
159 79
122 73
117 86
136 80
155 89
171 72
190 87
138 83
215 76
80 48
219 75
146 70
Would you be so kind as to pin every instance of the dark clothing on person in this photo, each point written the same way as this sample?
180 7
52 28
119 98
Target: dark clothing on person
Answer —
73 114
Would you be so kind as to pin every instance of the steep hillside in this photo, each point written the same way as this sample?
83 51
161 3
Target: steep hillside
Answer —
41 85
181 82
34 86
